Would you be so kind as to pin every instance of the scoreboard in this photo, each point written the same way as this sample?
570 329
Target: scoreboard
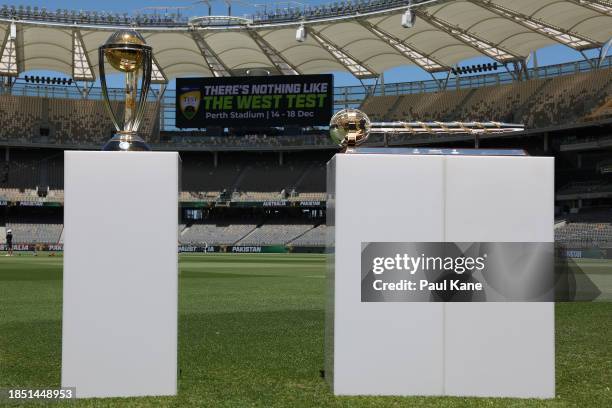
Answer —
305 100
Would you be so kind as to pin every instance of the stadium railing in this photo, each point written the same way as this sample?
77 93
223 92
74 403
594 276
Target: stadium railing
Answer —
175 19
92 17
344 97
352 96
335 9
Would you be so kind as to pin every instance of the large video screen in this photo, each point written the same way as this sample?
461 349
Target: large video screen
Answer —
305 100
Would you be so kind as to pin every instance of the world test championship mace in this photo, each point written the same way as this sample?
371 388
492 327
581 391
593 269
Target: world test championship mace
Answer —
350 128
127 52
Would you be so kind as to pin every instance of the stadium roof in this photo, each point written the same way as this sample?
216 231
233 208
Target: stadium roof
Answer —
362 41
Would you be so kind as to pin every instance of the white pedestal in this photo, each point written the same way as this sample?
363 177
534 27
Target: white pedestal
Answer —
120 273
500 349
503 349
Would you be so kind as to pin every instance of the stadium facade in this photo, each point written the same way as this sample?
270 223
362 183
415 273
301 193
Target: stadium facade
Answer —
257 189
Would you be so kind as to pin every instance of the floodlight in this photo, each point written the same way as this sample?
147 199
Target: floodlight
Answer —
300 33
408 18
257 72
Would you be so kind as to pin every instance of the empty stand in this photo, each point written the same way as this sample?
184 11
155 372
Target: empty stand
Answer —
313 237
212 234
536 102
568 98
274 234
82 122
36 233
585 234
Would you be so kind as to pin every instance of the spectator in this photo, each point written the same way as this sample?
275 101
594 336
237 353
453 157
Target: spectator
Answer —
9 242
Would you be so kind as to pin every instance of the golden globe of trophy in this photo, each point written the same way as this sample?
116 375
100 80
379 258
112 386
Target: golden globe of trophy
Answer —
127 52
349 127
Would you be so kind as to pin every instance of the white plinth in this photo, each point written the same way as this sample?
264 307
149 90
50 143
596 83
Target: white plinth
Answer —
119 331
419 348
500 349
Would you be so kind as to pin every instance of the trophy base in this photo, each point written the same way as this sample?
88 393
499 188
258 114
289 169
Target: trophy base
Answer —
126 143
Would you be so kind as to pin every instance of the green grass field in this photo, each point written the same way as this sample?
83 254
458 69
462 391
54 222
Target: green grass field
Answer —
251 335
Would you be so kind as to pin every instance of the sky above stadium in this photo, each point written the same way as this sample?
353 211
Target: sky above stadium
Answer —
545 56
